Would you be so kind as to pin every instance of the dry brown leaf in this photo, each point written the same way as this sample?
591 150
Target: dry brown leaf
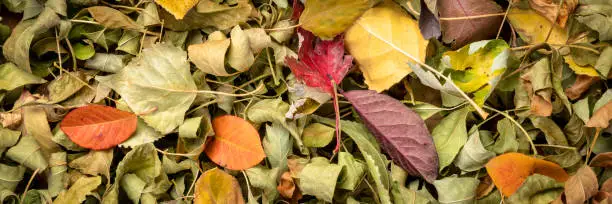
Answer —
601 117
582 84
286 187
548 9
581 186
462 32
602 160
485 187
541 105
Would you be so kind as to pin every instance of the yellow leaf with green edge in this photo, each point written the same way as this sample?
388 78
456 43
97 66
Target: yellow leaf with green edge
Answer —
178 8
216 186
328 18
476 68
580 70
377 41
534 28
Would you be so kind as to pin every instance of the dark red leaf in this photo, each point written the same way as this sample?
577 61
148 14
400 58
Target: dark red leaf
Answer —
298 7
98 127
401 132
463 32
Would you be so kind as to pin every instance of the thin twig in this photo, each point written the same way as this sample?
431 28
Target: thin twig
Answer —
283 28
533 147
503 20
472 17
28 185
597 132
552 26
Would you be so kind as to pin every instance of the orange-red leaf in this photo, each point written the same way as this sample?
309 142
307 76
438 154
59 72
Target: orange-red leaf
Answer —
98 127
236 145
509 171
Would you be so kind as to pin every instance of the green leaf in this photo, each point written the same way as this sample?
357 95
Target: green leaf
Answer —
329 18
537 189
106 62
144 134
265 179
566 158
597 15
575 131
605 98
94 163
554 134
375 161
17 47
317 135
450 135
47 45
283 34
319 178
487 61
171 167
473 155
161 71
83 52
273 110
149 15
277 146
133 186
57 162
65 85
129 42
582 110
10 176
352 171
35 124
456 189
604 62
190 128
78 190
507 141
426 110
62 139
9 138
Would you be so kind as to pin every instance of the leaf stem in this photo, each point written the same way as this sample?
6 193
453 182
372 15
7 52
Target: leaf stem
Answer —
533 147
28 185
480 111
597 133
337 110
552 26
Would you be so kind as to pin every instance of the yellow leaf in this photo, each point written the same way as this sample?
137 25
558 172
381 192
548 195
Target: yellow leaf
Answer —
216 186
580 70
178 8
377 39
534 28
328 18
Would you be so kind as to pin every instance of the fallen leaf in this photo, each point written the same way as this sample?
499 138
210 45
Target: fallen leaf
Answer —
265 179
353 171
461 32
377 40
537 188
401 132
429 24
317 135
581 85
550 9
538 83
28 153
485 187
554 135
604 62
177 8
161 71
326 19
239 56
473 156
210 55
112 18
601 117
287 188
94 163
534 28
237 145
277 145
12 77
273 110
510 170
205 17
602 160
587 70
596 15
98 127
456 189
79 190
449 136
216 186
581 186
36 124
319 178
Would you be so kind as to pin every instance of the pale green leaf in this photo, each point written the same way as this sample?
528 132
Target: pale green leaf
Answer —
9 137
604 62
12 77
473 156
536 188
65 85
554 134
161 71
94 163
273 110
78 190
277 145
456 189
240 56
144 134
210 55
129 42
319 178
10 176
265 179
450 135
190 128
352 171
507 141
317 135
106 62
57 174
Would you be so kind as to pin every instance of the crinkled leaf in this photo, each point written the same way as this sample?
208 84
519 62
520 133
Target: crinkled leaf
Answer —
554 134
537 188
473 156
597 15
112 18
265 179
581 186
210 55
204 17
319 178
12 77
78 190
456 189
353 171
57 173
10 176
449 136
94 163
66 85
216 186
273 110
239 56
106 62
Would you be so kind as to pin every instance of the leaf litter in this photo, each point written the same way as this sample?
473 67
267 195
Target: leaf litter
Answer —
255 101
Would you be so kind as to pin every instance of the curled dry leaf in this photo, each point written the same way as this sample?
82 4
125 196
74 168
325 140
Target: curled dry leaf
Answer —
401 132
581 186
601 117
550 9
216 186
582 84
98 127
237 145
509 171
602 160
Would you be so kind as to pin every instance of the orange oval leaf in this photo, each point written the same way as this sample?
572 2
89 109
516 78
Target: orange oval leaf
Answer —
237 145
509 171
98 127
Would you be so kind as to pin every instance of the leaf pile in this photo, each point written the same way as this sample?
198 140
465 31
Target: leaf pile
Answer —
317 101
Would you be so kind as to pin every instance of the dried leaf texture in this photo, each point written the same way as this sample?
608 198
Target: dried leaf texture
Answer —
98 127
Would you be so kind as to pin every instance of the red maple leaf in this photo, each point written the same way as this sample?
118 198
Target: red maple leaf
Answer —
322 66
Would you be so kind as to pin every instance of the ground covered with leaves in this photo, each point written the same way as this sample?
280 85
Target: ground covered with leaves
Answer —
317 101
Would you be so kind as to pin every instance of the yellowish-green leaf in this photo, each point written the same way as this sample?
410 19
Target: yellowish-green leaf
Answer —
178 8
580 70
328 18
375 40
216 186
78 190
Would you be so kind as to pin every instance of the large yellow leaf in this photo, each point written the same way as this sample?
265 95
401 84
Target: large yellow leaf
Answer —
377 39
533 28
216 186
328 18
178 8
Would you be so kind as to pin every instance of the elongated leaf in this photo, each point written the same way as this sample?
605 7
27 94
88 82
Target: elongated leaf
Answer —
12 77
237 145
98 127
112 18
401 132
161 71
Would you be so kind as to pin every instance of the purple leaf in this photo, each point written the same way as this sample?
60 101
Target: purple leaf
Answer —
400 131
